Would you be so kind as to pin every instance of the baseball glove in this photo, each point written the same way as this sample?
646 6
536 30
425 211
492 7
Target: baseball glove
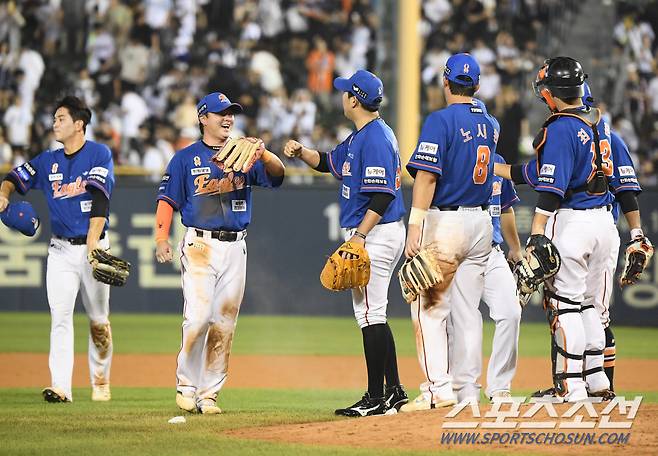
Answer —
239 155
542 262
638 254
107 268
348 267
418 274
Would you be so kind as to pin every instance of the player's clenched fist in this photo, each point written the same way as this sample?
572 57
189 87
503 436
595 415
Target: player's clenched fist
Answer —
163 252
413 241
292 149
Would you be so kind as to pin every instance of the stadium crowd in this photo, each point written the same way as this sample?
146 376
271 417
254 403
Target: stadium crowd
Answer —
142 64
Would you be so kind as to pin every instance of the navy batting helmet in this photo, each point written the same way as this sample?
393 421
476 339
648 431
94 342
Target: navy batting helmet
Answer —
559 77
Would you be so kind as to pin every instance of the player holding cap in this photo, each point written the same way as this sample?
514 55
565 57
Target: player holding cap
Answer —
77 181
215 206
371 210
453 171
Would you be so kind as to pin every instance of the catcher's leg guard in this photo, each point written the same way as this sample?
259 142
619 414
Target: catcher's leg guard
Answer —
593 355
568 358
609 356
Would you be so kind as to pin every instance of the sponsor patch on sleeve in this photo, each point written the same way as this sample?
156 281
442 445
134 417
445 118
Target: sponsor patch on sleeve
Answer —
375 171
547 169
99 170
428 148
85 206
239 205
626 171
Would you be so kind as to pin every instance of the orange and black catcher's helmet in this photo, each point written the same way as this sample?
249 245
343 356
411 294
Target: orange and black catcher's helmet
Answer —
559 77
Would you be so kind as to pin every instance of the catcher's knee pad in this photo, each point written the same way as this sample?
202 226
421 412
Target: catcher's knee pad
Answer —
610 351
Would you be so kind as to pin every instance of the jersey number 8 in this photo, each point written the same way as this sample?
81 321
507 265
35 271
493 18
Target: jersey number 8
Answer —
481 165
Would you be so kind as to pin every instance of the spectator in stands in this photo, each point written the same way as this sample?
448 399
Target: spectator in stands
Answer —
17 121
320 66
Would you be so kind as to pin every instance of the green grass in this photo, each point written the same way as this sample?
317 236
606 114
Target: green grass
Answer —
135 422
138 333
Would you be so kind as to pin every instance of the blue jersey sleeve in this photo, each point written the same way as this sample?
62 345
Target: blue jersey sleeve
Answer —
101 175
258 176
379 166
530 173
623 178
28 175
336 158
172 186
557 161
508 196
432 143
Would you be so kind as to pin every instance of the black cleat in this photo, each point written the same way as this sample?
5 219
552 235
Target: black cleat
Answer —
367 406
605 395
395 397
546 392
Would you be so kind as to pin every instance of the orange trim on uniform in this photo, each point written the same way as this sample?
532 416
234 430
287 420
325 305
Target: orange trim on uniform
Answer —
561 192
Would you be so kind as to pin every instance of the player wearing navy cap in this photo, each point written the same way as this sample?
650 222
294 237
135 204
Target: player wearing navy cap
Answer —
599 286
216 209
77 181
453 171
367 164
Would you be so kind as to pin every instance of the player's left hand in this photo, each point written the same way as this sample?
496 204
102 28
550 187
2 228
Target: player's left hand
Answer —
355 240
413 241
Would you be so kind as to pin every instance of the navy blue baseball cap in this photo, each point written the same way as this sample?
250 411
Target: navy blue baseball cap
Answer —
364 85
216 102
462 69
588 99
22 217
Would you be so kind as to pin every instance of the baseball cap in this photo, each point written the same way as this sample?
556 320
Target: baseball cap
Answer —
587 98
364 85
216 102
22 217
462 69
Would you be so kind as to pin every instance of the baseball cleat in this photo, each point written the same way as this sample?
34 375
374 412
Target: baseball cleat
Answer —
423 403
502 394
208 407
367 406
101 393
546 392
606 394
395 397
54 395
186 403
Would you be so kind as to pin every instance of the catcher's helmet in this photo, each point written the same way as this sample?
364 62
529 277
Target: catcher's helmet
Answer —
559 77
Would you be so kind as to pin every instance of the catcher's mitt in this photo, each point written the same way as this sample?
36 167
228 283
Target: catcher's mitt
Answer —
418 274
542 262
107 268
239 155
347 267
638 254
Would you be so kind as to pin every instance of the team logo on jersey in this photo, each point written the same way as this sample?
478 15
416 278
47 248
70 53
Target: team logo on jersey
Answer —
239 205
55 177
197 160
375 171
583 136
346 169
497 186
428 148
547 169
606 128
346 192
69 190
54 168
626 171
197 171
229 183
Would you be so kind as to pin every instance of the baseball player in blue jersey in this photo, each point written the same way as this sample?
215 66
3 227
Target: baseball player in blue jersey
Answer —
622 180
77 181
574 169
453 170
215 207
368 166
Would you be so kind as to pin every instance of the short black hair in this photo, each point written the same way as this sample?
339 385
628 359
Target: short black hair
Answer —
77 109
458 89
366 107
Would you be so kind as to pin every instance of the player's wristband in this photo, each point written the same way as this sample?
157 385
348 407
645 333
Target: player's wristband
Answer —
637 233
417 216
359 234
